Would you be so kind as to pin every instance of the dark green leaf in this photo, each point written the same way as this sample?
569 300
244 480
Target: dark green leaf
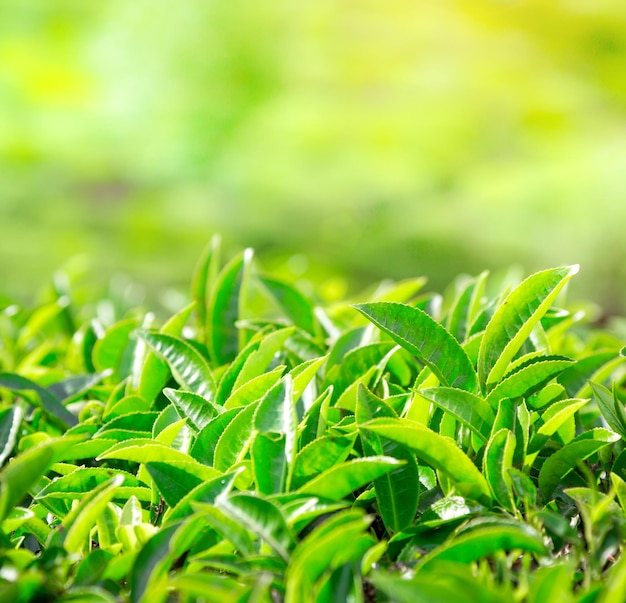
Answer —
173 482
206 492
51 404
484 541
557 466
10 420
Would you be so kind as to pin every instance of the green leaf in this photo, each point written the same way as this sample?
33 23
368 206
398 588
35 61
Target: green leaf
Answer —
551 583
276 412
481 542
294 304
86 479
234 440
468 408
528 378
203 449
422 336
557 466
515 318
51 404
559 412
172 481
438 451
355 364
614 582
207 587
465 307
10 420
226 527
204 277
19 475
303 374
150 372
115 350
262 358
73 387
339 540
255 389
83 518
151 451
206 492
611 408
133 421
261 517
344 478
269 462
225 308
232 370
443 583
576 377
369 406
555 416
198 410
149 570
187 365
397 492
124 406
497 461
319 455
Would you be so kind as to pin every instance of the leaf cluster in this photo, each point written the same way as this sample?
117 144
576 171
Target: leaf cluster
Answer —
261 445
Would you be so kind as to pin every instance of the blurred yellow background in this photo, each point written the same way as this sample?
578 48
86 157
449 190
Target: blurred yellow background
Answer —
362 140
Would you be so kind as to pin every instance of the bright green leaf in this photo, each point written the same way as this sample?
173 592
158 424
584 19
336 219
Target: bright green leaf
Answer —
419 334
515 318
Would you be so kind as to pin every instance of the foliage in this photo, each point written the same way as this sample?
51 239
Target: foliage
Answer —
260 445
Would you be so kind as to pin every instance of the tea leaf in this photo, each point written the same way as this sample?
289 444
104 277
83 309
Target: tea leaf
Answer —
483 541
187 365
515 318
344 478
419 334
466 407
557 466
225 306
50 403
438 451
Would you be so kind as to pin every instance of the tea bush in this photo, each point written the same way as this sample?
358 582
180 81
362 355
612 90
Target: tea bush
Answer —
264 445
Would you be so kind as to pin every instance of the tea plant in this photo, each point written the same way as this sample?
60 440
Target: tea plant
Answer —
260 445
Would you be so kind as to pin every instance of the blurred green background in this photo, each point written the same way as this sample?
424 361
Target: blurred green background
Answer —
347 141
